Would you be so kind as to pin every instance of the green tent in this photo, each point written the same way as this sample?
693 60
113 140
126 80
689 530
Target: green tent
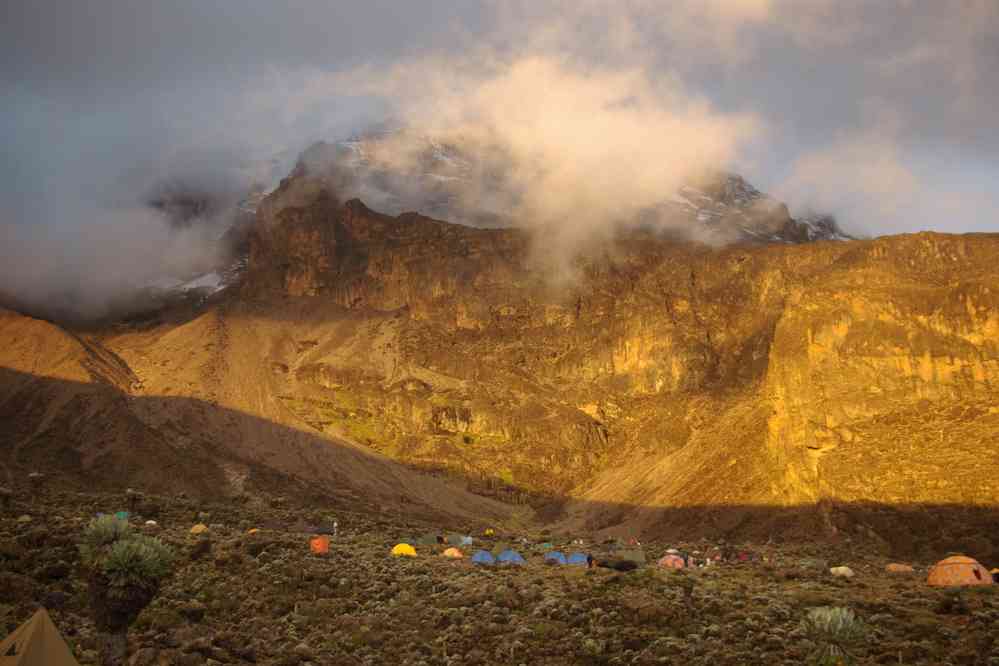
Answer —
37 642
428 539
635 555
454 539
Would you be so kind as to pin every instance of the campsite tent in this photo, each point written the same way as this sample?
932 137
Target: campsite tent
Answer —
636 555
319 545
453 539
671 561
466 540
554 557
510 557
578 559
403 550
453 553
428 539
37 642
618 564
995 575
483 557
958 571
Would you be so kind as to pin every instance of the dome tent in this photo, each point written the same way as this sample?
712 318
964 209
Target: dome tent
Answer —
554 557
510 557
958 571
636 555
455 539
453 553
671 561
578 560
428 539
483 557
403 550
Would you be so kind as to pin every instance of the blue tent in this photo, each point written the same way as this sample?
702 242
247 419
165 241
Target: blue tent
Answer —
554 557
510 557
483 557
578 559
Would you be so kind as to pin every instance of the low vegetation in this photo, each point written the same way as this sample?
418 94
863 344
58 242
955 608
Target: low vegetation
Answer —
235 597
124 570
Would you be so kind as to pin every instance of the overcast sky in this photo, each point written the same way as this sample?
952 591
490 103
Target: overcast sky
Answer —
884 112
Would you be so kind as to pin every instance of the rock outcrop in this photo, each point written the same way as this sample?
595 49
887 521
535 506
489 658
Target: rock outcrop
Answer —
665 373
657 375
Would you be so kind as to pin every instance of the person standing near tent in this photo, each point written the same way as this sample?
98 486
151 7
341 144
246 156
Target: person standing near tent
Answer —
589 561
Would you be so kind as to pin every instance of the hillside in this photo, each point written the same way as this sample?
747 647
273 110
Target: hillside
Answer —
158 417
261 598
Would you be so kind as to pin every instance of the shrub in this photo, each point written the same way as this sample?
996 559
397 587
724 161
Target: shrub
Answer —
137 561
124 573
836 632
101 533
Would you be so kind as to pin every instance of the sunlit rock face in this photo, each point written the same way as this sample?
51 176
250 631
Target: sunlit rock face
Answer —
883 376
648 375
657 372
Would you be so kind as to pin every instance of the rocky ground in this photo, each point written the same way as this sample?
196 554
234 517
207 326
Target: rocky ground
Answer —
237 598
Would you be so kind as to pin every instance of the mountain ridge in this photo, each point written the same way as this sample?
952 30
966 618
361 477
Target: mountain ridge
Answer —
663 375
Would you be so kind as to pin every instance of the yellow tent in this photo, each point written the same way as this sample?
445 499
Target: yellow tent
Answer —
453 553
403 550
36 643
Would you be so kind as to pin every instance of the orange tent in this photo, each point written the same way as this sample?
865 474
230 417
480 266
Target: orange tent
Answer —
899 568
320 545
958 571
671 562
453 553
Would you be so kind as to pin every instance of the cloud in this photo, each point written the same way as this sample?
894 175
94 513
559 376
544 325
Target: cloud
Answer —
105 99
96 266
862 176
582 149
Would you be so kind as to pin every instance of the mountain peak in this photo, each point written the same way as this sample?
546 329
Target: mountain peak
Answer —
395 170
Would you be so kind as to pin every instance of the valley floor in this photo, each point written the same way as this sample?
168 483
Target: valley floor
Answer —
238 598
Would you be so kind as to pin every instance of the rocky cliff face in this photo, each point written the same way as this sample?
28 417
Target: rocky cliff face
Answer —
666 374
659 376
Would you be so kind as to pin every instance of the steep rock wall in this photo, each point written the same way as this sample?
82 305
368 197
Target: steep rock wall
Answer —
820 367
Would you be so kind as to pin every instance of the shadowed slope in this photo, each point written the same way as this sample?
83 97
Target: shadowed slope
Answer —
64 412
